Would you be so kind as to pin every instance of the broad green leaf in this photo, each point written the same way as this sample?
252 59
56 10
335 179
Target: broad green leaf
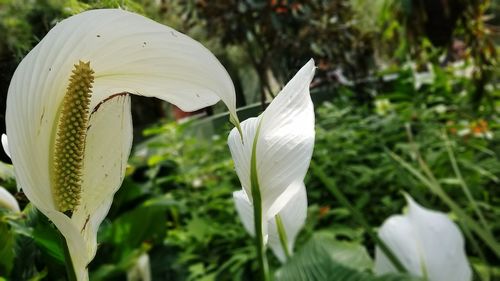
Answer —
113 271
135 227
6 171
49 239
200 229
6 249
324 258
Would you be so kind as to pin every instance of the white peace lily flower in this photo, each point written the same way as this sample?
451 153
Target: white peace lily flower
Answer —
7 201
427 243
68 111
278 147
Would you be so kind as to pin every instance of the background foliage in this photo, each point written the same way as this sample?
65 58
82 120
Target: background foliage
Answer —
391 78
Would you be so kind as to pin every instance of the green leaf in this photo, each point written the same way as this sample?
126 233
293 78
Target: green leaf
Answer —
6 249
324 258
50 241
6 171
200 229
145 223
112 271
350 255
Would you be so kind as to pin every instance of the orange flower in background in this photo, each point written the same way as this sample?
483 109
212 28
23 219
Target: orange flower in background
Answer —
323 211
451 126
479 127
281 7
295 6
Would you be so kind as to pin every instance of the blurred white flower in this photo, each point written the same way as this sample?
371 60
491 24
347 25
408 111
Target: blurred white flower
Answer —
463 132
197 182
271 160
390 77
7 201
68 111
463 69
490 87
440 108
5 144
424 77
141 270
383 106
339 74
427 243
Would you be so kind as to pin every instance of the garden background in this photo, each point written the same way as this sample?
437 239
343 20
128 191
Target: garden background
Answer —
406 97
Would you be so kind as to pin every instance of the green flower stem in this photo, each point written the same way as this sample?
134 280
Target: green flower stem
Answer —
468 194
337 193
463 184
257 211
282 235
259 241
70 271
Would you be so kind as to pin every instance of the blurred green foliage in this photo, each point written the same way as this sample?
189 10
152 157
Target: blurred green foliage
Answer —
391 86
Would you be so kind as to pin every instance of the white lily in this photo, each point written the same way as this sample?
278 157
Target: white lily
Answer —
426 242
68 111
271 161
7 201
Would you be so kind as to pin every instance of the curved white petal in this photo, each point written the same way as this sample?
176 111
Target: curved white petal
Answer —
397 232
5 144
286 139
293 217
427 243
74 241
8 201
170 66
130 53
107 147
245 210
285 142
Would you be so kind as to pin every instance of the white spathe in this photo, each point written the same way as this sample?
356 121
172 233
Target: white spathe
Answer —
293 216
426 242
7 201
284 146
129 54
